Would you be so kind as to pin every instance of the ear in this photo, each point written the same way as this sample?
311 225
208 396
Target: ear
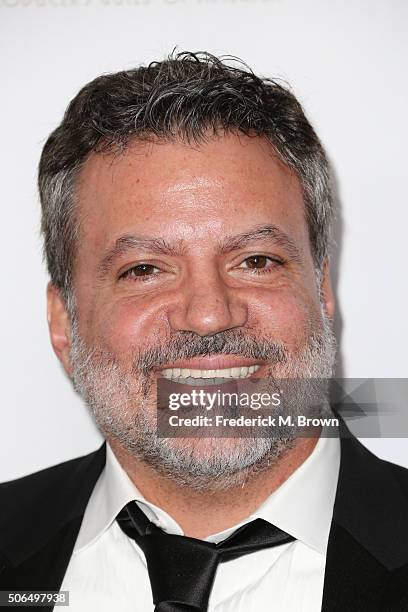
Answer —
327 291
59 326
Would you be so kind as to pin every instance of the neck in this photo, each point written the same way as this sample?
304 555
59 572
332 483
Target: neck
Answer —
201 513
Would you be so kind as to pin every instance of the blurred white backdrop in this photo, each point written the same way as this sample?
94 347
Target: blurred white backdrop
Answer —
346 62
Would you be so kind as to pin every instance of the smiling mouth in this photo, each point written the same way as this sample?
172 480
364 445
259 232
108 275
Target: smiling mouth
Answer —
188 376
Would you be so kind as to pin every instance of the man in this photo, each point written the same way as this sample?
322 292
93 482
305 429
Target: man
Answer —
186 217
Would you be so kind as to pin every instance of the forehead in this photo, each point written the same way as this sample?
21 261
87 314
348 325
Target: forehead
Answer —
172 188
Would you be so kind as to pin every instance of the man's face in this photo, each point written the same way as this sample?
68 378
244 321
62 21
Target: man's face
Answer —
190 259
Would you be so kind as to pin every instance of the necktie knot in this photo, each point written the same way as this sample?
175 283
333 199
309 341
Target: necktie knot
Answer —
174 563
182 569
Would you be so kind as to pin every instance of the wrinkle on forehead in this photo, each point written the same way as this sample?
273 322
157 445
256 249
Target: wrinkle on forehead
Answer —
196 182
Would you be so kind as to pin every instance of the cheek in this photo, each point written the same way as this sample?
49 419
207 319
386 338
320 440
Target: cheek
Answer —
284 316
129 324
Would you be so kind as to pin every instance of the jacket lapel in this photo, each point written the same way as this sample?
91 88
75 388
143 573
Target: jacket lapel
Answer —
354 580
45 569
367 555
47 513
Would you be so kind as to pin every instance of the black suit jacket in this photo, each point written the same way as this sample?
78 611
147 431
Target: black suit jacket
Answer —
367 557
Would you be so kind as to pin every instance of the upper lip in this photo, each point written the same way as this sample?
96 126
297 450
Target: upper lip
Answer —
212 362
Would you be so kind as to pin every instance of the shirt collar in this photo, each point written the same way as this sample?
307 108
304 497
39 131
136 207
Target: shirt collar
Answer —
113 490
302 506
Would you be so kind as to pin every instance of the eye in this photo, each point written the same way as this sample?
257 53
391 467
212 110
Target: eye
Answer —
142 270
260 263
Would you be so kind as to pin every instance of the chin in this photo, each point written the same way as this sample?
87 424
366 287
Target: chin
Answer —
208 463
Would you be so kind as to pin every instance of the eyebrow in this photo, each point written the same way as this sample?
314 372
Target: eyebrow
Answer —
160 246
266 233
129 242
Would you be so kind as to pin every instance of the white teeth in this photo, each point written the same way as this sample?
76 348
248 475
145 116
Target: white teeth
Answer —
236 372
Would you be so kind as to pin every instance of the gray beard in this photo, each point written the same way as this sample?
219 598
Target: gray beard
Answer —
123 402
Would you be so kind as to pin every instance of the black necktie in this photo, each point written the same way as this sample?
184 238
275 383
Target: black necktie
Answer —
182 569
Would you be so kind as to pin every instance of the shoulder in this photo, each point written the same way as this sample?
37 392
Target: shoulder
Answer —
399 473
359 464
43 476
65 481
391 472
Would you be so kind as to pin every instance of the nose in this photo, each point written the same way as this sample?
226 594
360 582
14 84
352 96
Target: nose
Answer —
208 306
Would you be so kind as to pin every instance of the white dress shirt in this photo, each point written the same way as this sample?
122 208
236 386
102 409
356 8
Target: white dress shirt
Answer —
107 570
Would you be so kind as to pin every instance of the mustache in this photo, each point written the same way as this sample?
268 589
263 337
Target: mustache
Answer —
187 345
